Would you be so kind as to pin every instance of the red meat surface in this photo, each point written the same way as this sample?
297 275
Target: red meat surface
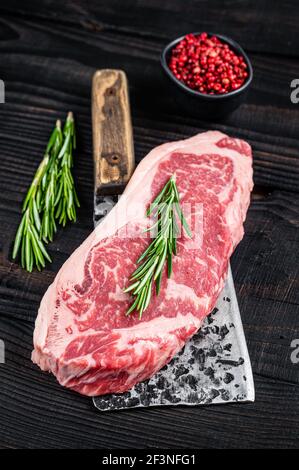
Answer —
82 333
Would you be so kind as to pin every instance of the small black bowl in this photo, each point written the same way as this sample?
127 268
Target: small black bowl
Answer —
200 104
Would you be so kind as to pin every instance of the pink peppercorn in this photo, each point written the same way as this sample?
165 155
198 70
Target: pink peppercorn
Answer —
207 64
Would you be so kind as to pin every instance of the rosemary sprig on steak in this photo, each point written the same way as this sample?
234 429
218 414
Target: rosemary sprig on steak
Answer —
51 198
165 209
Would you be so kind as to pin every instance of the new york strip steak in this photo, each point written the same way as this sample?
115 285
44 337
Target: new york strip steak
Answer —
82 334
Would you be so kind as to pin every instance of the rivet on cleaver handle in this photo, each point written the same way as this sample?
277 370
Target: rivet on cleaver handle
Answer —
113 149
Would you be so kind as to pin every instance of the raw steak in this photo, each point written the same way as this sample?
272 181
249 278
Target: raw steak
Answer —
82 334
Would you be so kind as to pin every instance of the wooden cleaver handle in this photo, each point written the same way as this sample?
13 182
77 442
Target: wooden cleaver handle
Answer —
113 149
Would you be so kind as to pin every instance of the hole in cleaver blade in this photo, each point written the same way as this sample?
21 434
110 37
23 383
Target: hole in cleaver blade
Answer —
213 368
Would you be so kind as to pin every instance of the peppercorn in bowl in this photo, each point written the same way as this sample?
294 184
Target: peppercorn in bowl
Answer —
210 74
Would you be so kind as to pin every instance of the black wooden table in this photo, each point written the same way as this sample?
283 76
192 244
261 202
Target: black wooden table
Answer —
49 51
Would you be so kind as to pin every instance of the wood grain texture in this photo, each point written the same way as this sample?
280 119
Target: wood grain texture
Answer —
37 413
49 52
113 150
256 24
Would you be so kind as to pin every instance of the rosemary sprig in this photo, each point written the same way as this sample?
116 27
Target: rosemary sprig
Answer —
165 209
66 196
51 196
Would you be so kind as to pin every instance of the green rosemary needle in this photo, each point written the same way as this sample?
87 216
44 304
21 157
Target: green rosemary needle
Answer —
165 209
66 196
48 188
28 238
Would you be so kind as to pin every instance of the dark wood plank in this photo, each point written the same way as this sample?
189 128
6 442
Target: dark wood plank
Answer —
258 25
49 53
269 121
37 413
266 271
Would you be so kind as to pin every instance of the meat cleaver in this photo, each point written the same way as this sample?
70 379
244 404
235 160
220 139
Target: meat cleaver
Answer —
214 366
